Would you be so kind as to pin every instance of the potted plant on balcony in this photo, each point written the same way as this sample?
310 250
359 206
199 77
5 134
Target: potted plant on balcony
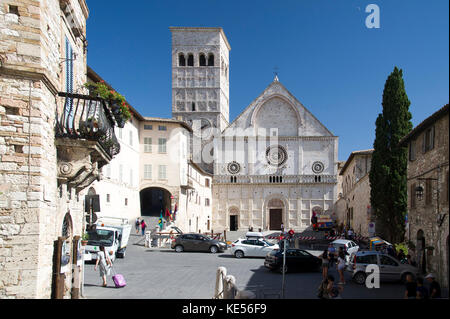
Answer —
117 103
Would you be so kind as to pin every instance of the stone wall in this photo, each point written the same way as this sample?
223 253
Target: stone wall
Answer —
423 214
250 202
31 208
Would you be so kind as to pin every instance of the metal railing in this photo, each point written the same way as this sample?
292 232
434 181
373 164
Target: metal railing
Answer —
270 179
89 118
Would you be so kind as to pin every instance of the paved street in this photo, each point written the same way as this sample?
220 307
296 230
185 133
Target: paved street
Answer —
153 273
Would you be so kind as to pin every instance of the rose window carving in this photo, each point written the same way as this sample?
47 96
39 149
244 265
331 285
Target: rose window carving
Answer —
318 167
234 168
276 155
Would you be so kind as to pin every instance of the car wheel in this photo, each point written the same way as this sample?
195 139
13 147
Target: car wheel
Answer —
121 254
213 249
280 269
360 278
239 254
179 249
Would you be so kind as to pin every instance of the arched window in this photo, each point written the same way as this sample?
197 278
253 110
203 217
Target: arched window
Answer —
211 59
181 60
202 59
190 60
193 107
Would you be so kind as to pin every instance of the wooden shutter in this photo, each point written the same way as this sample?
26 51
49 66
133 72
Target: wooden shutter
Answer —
413 196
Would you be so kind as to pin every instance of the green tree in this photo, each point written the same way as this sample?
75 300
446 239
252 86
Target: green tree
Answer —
388 175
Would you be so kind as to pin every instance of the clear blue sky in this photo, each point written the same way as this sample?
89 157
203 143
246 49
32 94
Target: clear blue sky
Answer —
325 55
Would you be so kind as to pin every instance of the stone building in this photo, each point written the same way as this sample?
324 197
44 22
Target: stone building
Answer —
200 85
428 193
119 187
168 177
274 164
353 205
51 148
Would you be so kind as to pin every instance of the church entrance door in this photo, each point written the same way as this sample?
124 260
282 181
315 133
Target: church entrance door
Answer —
233 223
276 218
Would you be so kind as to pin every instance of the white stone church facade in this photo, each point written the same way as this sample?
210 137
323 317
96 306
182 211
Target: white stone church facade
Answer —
275 163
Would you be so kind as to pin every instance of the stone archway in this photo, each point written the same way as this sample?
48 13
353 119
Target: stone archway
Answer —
154 201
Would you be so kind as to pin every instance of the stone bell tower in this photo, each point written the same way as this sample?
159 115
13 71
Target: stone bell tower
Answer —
200 75
200 79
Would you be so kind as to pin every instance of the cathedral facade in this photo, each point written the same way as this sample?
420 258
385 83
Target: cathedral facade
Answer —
274 164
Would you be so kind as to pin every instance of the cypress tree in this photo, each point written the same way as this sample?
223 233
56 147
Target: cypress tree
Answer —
388 174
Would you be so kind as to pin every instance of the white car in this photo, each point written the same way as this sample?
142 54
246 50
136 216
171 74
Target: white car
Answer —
252 248
349 246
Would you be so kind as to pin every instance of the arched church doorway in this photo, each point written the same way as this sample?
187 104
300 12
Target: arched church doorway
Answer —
275 207
154 201
421 255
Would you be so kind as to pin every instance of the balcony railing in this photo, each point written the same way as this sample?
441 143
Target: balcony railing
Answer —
87 117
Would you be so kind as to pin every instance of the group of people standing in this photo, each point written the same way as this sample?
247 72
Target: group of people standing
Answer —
330 257
415 289
140 224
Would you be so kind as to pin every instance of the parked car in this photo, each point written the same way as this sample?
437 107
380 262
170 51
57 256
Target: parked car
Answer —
296 259
391 269
197 242
348 245
252 248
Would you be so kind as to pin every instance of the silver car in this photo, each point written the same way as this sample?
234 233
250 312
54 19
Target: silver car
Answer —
391 269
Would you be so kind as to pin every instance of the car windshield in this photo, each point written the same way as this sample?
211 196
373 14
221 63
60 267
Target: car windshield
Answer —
101 237
266 242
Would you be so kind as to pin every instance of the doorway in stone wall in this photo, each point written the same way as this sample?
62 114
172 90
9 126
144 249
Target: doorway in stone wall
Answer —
421 255
276 219
234 223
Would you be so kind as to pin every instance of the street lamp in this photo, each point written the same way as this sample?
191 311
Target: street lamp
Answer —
419 192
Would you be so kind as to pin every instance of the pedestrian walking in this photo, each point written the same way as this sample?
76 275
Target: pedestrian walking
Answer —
421 291
341 267
411 287
435 288
331 255
143 226
325 263
137 224
105 264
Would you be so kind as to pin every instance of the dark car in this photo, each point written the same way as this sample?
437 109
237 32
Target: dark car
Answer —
197 242
296 259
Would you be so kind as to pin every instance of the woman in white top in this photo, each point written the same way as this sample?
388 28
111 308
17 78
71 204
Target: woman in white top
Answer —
105 264
341 267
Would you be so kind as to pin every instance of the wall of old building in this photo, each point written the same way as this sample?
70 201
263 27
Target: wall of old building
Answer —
423 214
32 207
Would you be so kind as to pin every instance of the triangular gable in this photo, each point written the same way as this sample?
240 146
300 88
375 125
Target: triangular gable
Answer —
309 126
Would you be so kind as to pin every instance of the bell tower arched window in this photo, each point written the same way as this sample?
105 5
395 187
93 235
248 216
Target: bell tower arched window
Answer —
190 60
211 59
202 59
181 60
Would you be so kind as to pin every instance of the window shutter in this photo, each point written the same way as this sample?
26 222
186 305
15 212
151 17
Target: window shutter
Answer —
432 138
424 143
